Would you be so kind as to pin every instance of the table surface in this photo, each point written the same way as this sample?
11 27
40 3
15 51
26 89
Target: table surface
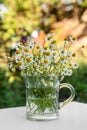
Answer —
72 117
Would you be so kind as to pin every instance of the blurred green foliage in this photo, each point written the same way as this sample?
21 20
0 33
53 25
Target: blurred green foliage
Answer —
12 89
27 15
21 19
84 3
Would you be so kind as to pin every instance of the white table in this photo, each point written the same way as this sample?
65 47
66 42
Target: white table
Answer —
72 117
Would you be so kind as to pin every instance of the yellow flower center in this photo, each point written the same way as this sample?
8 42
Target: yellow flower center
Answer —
46 61
73 54
62 58
54 53
22 56
26 50
19 63
28 59
46 68
34 54
38 47
83 46
47 53
70 64
17 51
53 42
34 66
25 44
45 48
7 54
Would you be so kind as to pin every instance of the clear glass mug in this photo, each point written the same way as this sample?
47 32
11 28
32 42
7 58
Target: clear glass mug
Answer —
42 97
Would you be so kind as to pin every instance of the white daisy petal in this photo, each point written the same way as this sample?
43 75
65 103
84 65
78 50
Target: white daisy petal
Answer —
75 65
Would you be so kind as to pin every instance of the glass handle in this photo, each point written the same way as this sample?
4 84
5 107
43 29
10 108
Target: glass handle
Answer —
70 87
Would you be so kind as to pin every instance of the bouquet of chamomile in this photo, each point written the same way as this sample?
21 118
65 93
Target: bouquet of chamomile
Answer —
34 58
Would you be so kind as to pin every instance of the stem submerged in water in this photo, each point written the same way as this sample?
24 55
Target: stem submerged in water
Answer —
42 97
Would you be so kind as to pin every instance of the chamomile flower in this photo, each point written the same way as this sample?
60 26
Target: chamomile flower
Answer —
20 65
29 59
17 58
26 50
45 48
18 45
18 55
49 37
66 41
38 47
69 72
45 61
26 44
31 45
73 54
52 45
18 52
35 66
60 49
63 60
75 65
46 68
47 53
69 54
55 54
72 39
64 54
64 72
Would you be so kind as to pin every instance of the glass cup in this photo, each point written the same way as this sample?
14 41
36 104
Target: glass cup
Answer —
42 97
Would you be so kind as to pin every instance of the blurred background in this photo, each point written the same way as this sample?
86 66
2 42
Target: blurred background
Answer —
22 19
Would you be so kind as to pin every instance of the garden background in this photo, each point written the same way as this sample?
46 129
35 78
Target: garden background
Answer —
22 19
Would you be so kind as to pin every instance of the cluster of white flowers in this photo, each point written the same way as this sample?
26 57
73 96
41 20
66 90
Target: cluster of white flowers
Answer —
35 59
